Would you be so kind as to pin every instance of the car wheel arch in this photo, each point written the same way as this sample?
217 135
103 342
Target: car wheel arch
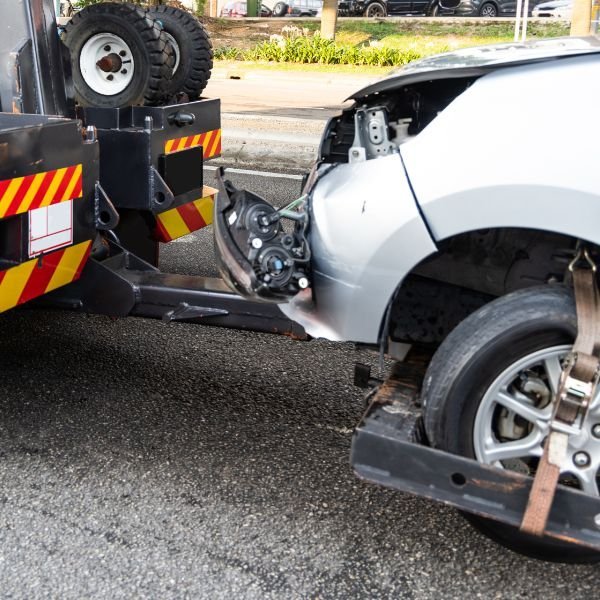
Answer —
439 292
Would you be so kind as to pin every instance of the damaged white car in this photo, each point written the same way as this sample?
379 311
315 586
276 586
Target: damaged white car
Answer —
448 212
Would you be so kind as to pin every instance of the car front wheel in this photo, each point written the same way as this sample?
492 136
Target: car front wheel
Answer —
488 10
488 395
375 9
280 9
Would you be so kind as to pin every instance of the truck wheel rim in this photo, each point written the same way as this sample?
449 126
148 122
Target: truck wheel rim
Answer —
488 11
176 50
513 420
106 64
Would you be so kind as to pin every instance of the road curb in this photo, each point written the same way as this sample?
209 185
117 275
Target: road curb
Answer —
278 143
229 72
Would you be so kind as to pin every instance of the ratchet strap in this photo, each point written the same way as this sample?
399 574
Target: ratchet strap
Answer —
576 389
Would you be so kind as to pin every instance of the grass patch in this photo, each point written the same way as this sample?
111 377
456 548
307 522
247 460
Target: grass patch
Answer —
379 43
379 30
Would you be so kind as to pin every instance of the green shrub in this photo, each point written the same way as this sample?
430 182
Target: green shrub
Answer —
227 53
198 4
318 50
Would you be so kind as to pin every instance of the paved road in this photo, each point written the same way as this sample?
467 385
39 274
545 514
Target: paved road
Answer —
283 94
275 118
144 460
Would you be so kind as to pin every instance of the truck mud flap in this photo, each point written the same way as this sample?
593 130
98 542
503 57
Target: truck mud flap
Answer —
388 449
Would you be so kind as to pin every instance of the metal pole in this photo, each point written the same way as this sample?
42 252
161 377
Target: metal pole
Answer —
581 17
525 18
518 19
595 17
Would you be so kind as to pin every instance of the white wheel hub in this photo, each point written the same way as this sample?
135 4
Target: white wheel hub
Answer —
106 64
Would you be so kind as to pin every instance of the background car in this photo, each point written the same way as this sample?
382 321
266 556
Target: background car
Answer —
240 9
297 8
485 8
559 9
382 8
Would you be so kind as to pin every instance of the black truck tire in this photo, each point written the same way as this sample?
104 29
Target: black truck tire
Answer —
137 59
471 361
192 47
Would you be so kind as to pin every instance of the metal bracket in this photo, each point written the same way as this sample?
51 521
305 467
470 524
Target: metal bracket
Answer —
21 63
105 214
387 449
162 196
371 135
185 311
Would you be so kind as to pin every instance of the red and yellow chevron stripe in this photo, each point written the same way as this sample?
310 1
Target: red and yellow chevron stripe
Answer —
180 221
210 141
42 275
22 194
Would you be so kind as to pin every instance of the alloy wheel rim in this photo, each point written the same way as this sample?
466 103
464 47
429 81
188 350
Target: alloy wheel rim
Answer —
513 421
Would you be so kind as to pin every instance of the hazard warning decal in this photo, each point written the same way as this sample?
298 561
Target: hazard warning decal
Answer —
42 275
22 194
180 221
210 142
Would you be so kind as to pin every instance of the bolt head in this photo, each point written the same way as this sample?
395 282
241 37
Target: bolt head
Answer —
596 430
107 48
581 459
257 243
110 77
302 283
124 72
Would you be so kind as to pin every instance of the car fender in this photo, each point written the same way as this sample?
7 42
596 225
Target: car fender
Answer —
366 233
514 150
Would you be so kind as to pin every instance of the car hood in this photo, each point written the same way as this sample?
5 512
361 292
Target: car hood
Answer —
477 61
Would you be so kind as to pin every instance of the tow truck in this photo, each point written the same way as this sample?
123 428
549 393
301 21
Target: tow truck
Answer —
103 137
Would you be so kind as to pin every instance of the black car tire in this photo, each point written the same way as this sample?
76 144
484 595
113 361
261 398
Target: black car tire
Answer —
488 10
192 47
375 9
434 11
148 51
280 9
463 369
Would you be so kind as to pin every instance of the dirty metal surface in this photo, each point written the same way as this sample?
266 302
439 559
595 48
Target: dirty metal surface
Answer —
387 449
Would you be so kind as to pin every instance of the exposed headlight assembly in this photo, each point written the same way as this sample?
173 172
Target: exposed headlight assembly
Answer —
257 256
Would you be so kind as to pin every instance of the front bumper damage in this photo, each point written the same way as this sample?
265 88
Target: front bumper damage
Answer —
257 256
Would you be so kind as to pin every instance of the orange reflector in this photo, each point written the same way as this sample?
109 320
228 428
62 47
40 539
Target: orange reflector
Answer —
42 275
22 194
180 221
210 142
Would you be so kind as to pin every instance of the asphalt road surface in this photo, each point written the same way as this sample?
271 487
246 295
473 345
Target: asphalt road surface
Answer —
283 94
145 460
